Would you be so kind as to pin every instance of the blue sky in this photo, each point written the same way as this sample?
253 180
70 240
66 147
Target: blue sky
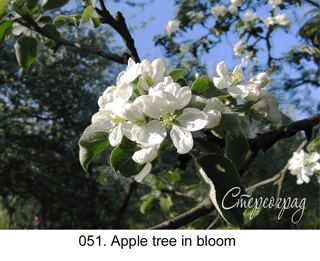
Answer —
158 13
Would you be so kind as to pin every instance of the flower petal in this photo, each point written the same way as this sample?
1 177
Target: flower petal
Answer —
220 82
145 155
238 92
144 172
184 97
222 70
115 136
125 90
152 133
159 69
193 119
103 117
182 139
127 129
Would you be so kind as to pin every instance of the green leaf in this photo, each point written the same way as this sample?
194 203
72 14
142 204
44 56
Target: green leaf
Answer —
222 183
205 87
314 146
207 146
93 141
52 4
26 48
95 22
32 4
182 82
61 17
102 176
166 204
145 206
236 148
121 158
240 24
88 13
3 5
173 176
52 30
176 74
4 29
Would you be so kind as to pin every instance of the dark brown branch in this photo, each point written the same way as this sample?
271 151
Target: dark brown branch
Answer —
204 208
125 202
313 3
118 23
28 22
267 140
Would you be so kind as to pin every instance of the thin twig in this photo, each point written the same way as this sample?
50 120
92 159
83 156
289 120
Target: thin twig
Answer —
119 25
29 23
171 191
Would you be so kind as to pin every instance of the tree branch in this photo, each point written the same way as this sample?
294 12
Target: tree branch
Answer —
204 208
118 23
29 23
267 140
313 3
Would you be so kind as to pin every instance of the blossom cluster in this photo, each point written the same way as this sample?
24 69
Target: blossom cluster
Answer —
303 165
281 19
146 105
254 90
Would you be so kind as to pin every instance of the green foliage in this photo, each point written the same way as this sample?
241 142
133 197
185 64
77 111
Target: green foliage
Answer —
237 148
219 176
53 4
314 146
204 86
92 142
121 158
26 51
32 4
4 28
176 74
88 13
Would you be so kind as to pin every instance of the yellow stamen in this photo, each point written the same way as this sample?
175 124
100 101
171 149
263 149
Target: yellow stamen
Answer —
117 119
235 79
167 119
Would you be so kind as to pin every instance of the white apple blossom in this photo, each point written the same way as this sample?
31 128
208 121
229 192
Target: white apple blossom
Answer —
196 17
164 106
236 2
282 19
185 48
213 110
303 165
151 74
275 2
116 124
249 16
231 80
269 21
172 27
239 48
233 9
267 107
218 11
